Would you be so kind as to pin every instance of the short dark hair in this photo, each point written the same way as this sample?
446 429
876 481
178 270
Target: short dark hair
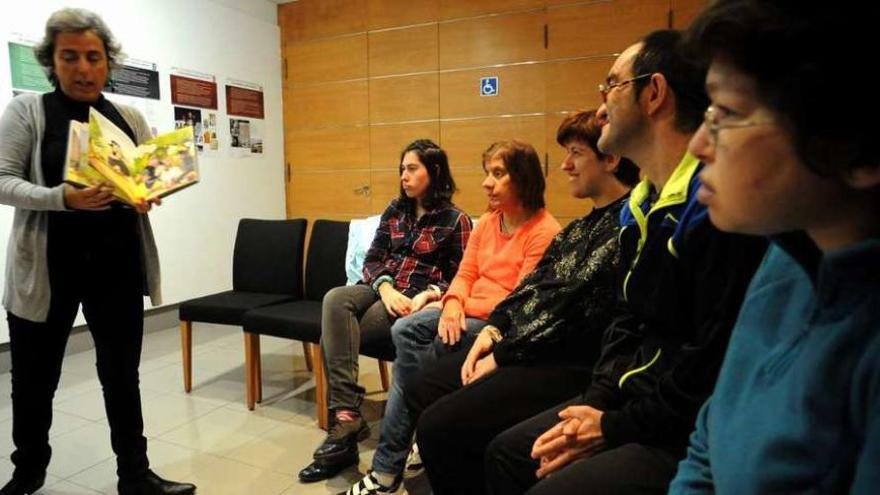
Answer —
584 127
524 167
662 52
73 20
797 52
442 186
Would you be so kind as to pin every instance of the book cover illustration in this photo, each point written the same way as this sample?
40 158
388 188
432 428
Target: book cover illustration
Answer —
99 152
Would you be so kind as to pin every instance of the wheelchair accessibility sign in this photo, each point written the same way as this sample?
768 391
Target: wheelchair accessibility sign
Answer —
489 86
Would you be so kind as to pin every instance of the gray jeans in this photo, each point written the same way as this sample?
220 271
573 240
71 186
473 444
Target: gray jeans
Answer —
348 312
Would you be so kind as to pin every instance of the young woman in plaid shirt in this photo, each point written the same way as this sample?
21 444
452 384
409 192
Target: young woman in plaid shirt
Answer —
415 254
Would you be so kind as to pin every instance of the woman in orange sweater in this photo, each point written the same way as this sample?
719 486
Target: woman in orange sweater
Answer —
504 247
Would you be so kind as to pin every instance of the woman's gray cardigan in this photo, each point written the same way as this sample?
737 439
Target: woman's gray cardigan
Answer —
23 186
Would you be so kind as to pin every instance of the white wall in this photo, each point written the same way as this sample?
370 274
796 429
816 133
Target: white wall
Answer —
239 39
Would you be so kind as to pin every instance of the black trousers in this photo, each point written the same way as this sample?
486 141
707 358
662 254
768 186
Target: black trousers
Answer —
456 424
627 469
107 280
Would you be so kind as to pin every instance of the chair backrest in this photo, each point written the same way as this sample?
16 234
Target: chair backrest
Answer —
325 264
268 256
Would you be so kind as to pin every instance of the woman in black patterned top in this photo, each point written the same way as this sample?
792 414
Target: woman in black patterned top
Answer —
413 257
540 343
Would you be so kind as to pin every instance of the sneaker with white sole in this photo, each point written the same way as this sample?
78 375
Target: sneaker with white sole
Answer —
414 465
368 485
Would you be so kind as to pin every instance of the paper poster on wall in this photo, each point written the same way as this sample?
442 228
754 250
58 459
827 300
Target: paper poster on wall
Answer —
194 89
204 124
27 74
244 99
245 137
135 78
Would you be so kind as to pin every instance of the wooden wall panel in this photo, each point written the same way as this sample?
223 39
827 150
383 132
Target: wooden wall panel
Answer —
329 59
521 90
492 40
385 187
330 193
402 51
336 104
685 11
328 148
387 141
310 19
366 77
466 140
398 99
391 13
603 27
471 196
452 9
574 84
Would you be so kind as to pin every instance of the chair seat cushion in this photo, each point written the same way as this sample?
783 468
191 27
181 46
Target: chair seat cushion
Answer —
295 320
301 320
228 307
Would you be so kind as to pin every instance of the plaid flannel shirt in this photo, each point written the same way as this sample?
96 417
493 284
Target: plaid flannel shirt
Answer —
416 254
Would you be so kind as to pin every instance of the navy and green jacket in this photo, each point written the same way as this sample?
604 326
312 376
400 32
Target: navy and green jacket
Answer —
683 282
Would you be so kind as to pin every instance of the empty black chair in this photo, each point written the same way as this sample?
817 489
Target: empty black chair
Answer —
267 269
301 320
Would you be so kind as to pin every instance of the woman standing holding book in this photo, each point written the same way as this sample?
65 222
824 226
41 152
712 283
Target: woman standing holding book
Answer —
69 247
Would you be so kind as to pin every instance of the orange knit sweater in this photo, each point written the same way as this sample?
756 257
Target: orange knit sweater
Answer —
494 262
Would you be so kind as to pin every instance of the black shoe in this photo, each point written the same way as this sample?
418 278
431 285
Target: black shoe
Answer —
320 471
23 486
151 484
342 441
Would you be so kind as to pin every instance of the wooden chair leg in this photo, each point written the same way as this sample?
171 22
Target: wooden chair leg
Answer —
249 371
308 355
320 386
186 349
258 368
384 374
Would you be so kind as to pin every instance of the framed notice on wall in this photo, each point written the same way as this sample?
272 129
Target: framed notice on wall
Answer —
244 99
193 89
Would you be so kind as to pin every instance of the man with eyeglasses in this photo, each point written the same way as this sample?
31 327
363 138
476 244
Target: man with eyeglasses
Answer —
682 284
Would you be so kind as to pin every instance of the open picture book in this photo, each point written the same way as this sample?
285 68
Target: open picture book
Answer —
99 152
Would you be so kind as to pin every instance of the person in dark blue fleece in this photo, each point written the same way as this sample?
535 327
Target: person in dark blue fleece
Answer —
790 155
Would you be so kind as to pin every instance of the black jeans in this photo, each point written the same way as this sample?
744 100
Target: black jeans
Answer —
104 275
456 424
627 469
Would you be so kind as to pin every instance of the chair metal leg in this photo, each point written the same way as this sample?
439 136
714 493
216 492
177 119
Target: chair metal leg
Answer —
384 375
250 382
320 386
308 356
186 349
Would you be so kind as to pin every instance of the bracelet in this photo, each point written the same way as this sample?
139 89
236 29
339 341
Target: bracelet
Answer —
436 290
493 333
381 280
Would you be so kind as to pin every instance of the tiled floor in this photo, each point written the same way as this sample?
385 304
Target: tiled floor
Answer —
207 437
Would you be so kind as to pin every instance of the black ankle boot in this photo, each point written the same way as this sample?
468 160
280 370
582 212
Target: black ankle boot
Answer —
151 484
23 486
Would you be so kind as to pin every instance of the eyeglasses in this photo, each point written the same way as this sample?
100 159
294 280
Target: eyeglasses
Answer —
606 88
712 119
